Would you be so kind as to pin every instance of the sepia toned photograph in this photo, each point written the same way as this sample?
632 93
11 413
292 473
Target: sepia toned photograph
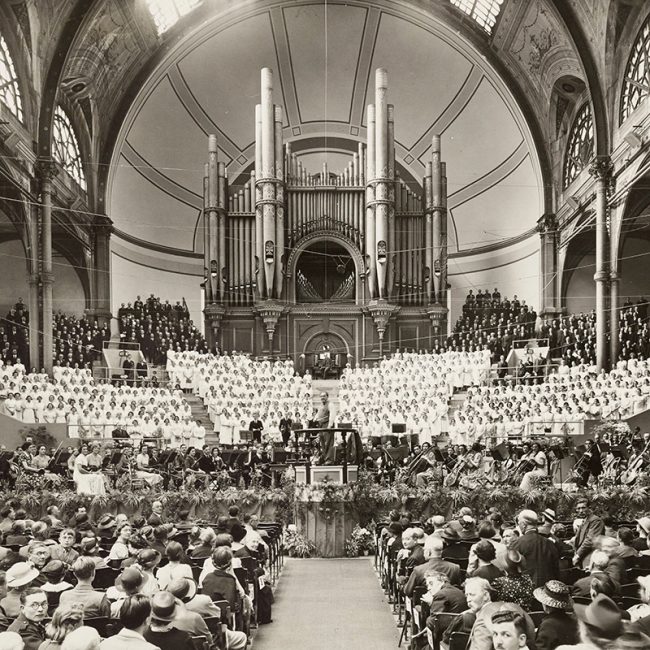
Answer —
324 324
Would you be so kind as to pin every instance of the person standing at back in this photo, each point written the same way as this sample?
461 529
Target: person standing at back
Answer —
541 554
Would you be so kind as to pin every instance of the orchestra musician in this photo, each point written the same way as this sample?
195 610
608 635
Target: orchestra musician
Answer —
536 459
143 469
194 475
590 464
87 479
635 463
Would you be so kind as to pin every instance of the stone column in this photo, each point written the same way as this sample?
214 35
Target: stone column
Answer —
34 291
47 170
601 170
547 227
614 279
102 270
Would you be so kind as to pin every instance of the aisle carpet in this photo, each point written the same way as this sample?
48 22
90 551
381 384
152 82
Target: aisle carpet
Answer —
329 605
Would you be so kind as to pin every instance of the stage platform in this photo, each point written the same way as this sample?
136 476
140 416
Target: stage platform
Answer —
318 473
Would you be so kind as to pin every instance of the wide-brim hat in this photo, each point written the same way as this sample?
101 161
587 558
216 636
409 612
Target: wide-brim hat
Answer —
149 558
89 544
603 615
555 594
54 570
182 588
130 580
106 522
450 534
20 574
163 606
549 515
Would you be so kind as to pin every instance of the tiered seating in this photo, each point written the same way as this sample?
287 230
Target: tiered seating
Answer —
567 395
14 335
408 388
159 327
237 390
95 409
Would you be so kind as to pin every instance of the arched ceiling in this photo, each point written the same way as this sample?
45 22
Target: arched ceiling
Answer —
323 58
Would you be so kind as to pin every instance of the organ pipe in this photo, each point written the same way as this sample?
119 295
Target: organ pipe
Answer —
371 231
390 208
206 237
279 197
259 211
213 223
381 178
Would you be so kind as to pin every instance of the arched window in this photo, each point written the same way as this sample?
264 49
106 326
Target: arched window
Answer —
9 91
484 12
166 13
636 84
580 146
66 148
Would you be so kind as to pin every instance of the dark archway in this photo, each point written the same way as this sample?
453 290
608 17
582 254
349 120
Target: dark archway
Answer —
325 273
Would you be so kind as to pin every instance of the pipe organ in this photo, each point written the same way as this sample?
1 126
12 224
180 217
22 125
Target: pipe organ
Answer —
254 231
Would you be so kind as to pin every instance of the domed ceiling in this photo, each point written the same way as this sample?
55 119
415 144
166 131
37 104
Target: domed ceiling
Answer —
323 58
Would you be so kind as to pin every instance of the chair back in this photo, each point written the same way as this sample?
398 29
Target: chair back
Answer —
458 641
630 590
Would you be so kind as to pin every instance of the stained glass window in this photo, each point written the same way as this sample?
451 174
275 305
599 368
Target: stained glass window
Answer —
580 146
65 147
9 91
636 85
165 13
484 12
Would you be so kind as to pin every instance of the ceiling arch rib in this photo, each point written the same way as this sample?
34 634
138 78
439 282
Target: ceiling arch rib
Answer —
213 104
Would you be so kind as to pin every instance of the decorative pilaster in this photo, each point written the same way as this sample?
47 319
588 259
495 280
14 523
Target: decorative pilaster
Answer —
214 313
47 170
548 229
438 316
102 229
601 169
381 312
270 312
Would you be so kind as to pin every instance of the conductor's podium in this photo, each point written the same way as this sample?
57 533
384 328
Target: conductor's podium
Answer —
318 473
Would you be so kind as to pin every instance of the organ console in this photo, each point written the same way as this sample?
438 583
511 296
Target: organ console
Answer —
253 230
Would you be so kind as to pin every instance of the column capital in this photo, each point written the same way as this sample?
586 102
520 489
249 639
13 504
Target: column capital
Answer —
547 224
46 169
103 224
601 167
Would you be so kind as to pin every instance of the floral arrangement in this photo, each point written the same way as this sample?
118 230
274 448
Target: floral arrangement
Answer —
360 542
297 545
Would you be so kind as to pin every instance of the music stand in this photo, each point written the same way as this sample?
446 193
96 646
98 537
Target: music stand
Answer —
400 427
245 435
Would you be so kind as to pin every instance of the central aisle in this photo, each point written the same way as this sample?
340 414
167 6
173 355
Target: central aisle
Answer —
329 605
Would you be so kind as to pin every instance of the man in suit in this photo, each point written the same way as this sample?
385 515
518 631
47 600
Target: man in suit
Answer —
542 556
591 527
442 596
433 554
413 541
599 561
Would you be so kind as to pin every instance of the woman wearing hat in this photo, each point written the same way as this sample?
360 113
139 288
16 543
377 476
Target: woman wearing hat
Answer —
128 583
148 559
559 625
18 578
600 624
516 586
65 619
162 631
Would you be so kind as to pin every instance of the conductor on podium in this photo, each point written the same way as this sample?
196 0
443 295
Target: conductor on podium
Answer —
324 419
